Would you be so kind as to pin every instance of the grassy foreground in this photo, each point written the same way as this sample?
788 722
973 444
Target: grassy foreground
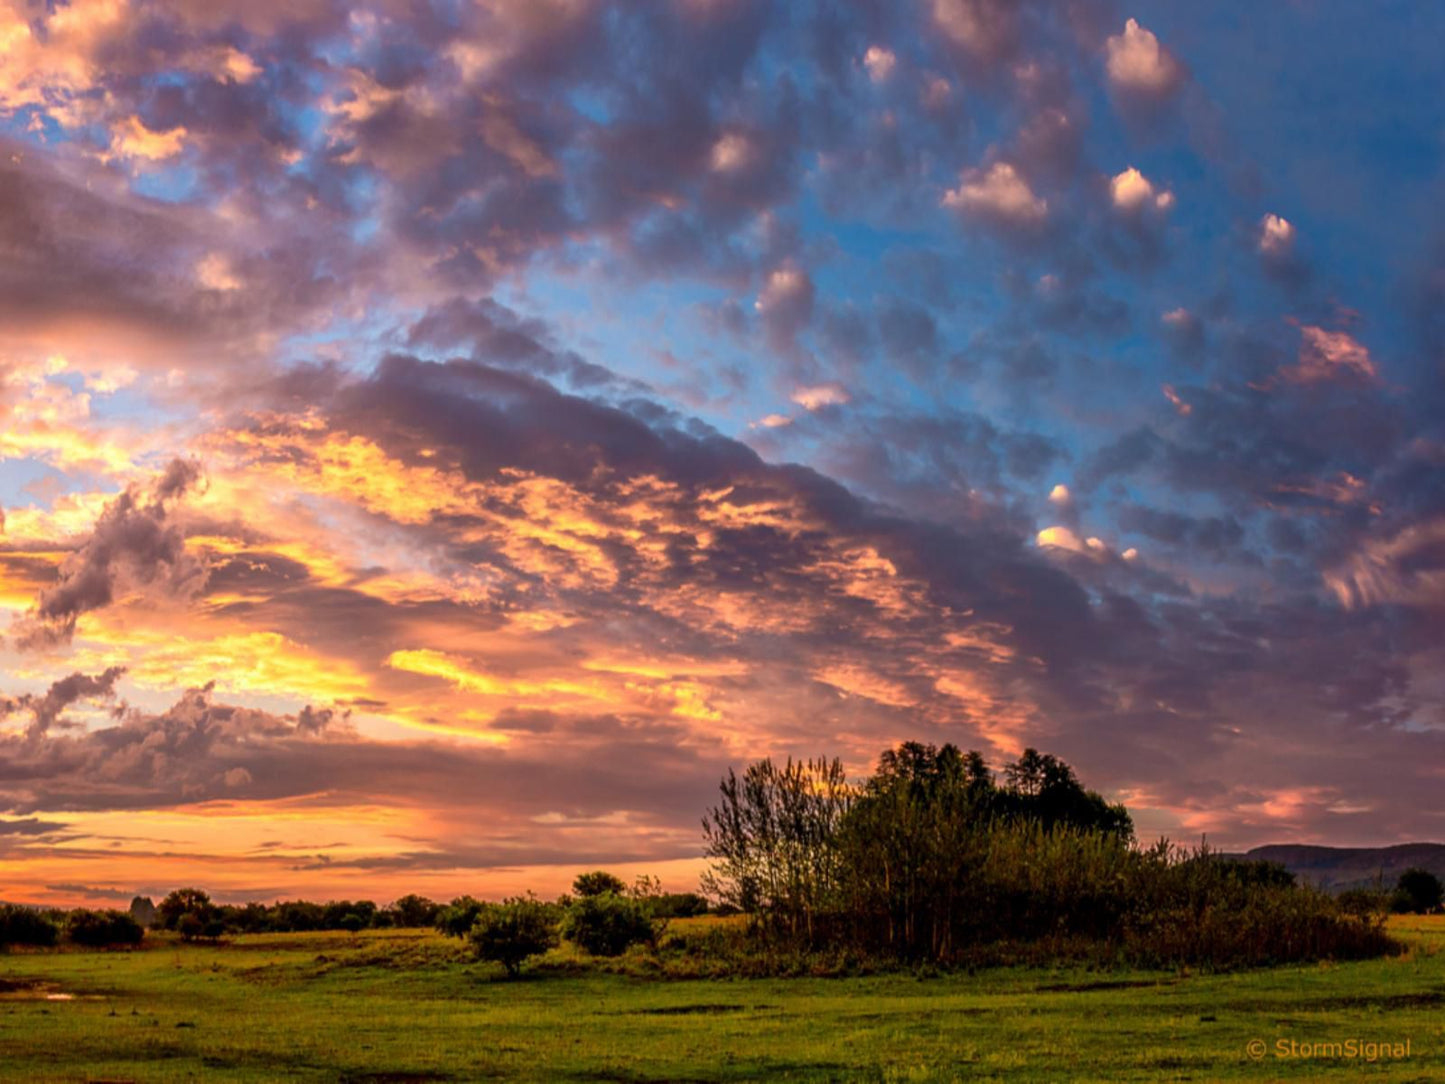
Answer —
408 1006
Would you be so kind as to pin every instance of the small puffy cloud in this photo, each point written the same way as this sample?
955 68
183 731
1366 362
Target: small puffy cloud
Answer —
1276 236
1330 355
1059 537
1138 65
1132 192
134 140
818 396
1060 494
238 67
732 152
999 193
880 63
772 421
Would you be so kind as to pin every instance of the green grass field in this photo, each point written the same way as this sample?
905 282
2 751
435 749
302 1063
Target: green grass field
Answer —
408 1006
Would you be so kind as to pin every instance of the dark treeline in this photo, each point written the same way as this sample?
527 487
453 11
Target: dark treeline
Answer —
933 858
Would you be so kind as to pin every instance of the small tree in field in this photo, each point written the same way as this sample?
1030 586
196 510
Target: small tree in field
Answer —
607 924
457 918
512 931
1418 891
597 882
182 902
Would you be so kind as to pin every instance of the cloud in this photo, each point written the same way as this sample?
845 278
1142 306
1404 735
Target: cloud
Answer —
987 30
998 194
1276 237
1138 66
1326 356
879 62
818 396
1132 192
134 140
135 544
47 710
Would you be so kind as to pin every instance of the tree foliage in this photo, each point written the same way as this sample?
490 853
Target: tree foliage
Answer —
457 918
933 856
513 931
607 923
26 926
1418 891
596 882
103 929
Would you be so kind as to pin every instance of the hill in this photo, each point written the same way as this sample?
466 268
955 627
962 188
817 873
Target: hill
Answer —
1338 868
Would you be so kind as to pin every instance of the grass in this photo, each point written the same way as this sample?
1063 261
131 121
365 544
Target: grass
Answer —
409 1006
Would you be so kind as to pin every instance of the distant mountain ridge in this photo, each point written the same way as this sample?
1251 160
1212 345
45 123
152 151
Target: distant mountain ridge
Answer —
1339 868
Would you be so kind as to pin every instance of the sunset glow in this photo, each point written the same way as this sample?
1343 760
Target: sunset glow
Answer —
437 441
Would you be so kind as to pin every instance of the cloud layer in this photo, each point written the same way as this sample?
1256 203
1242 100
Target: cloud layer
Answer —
435 444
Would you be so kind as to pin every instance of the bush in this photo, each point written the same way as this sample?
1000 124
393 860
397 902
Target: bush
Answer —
26 926
457 918
679 905
511 932
414 911
103 929
607 924
181 902
1363 902
1418 892
596 883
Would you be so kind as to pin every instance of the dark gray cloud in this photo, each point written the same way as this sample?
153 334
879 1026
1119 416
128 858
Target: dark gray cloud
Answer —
135 543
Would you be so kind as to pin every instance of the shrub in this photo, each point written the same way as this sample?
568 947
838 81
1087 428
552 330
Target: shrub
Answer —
103 929
184 901
457 918
25 926
297 916
596 883
1418 892
415 911
607 924
679 905
511 932
1363 902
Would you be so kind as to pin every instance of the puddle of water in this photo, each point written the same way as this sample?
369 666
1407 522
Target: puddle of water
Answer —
32 990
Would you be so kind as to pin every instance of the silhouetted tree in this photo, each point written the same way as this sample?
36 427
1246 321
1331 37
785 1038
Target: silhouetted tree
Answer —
773 841
1418 891
26 926
184 901
457 918
103 929
596 883
415 911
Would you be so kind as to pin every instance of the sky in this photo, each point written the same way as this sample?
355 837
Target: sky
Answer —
437 440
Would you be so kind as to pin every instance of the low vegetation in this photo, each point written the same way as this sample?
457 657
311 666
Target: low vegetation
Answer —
932 861
413 1005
